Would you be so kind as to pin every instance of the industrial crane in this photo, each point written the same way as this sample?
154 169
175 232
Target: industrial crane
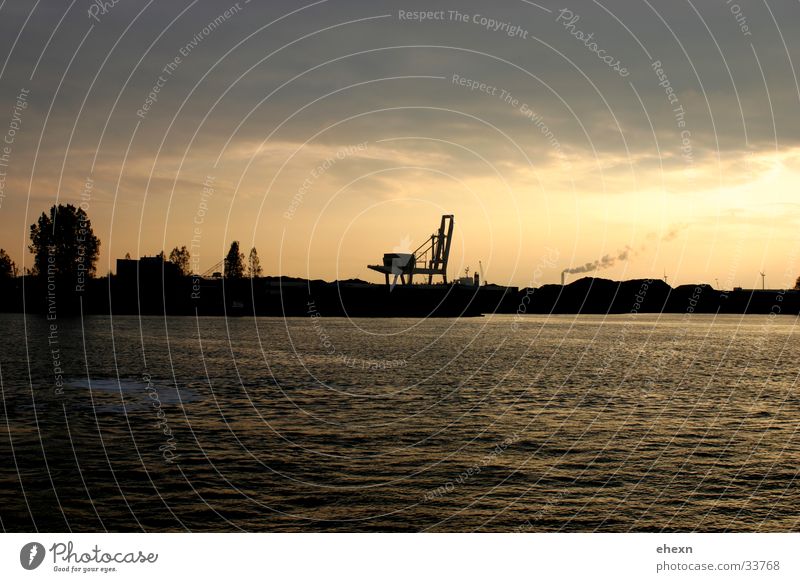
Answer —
430 258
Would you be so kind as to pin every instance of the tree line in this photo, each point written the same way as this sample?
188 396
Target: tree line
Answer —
234 264
64 246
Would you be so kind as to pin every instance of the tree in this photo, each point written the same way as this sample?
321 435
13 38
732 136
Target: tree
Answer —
797 284
8 268
180 256
63 243
234 262
254 264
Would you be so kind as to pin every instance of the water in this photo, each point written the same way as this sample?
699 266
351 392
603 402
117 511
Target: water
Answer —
492 424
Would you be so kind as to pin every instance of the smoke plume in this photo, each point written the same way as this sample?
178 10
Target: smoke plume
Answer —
673 232
626 253
606 262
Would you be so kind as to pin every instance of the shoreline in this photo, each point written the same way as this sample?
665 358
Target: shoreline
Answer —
294 297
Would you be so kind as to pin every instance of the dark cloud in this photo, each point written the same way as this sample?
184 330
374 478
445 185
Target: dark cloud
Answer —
242 80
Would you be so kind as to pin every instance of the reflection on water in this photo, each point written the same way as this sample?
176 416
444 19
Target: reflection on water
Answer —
544 424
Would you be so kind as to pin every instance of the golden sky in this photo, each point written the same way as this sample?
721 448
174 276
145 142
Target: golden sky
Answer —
328 133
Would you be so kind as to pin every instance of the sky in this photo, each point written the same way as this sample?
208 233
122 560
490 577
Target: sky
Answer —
625 139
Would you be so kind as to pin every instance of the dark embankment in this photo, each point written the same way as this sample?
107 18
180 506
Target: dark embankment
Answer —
292 297
599 296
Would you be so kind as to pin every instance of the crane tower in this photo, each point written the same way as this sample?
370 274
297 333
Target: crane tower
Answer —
430 258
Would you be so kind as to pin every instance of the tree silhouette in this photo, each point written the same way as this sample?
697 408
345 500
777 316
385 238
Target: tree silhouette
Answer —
234 262
797 284
180 256
63 243
8 268
254 264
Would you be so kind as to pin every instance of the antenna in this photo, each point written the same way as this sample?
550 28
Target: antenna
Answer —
665 277
763 281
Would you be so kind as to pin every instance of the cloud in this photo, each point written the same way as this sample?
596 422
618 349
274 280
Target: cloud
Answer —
332 75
